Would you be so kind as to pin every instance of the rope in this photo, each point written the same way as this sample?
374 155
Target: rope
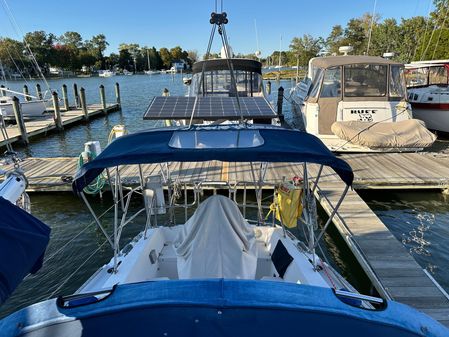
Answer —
425 31
20 33
97 185
441 31
76 270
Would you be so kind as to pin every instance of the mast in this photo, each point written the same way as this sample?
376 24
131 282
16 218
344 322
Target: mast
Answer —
280 48
148 60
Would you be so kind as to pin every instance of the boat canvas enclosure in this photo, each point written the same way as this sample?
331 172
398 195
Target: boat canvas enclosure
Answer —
338 79
228 143
213 77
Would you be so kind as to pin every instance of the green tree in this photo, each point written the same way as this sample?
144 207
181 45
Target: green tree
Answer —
355 36
125 60
11 54
304 48
71 39
166 57
98 45
335 39
42 46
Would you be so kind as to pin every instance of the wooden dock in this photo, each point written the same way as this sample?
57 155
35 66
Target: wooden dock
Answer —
41 126
56 117
392 270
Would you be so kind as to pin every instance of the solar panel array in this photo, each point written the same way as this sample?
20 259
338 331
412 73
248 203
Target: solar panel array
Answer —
208 108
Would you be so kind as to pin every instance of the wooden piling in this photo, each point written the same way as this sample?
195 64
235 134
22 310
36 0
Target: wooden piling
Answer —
38 91
57 111
2 92
103 99
75 95
19 120
117 94
26 92
84 104
280 102
269 88
65 98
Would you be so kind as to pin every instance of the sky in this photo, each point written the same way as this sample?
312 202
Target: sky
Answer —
186 22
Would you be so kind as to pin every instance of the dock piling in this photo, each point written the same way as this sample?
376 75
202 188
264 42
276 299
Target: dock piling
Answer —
2 92
26 92
117 94
38 91
65 98
269 88
280 102
103 99
19 120
57 111
75 95
83 104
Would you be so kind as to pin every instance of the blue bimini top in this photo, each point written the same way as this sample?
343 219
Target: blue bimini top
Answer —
23 240
229 143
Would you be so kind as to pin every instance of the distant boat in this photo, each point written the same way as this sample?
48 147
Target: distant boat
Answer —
106 73
127 72
428 92
149 71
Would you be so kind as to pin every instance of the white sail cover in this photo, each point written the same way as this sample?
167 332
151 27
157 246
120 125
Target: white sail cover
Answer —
216 242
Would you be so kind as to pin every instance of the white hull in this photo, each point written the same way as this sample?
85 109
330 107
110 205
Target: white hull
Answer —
29 109
136 267
435 119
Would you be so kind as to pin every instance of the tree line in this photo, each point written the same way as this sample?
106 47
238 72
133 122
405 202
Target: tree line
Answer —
70 52
412 39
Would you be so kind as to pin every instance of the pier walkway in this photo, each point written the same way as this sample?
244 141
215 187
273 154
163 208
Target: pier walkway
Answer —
42 125
392 270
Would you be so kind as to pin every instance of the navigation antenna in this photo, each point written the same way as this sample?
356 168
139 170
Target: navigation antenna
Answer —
219 20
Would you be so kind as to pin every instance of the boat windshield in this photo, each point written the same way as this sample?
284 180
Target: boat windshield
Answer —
225 139
397 82
365 80
436 75
219 83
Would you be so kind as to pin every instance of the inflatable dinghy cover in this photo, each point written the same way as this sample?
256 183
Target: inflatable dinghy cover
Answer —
404 134
216 242
23 240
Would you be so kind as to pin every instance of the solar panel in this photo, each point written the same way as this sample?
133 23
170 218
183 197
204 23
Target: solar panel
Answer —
208 108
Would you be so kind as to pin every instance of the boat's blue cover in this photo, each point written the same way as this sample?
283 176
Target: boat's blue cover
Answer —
23 240
152 146
219 308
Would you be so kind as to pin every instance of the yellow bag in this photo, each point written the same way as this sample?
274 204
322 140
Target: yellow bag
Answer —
289 205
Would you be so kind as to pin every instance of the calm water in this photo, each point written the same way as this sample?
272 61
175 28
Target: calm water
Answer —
420 220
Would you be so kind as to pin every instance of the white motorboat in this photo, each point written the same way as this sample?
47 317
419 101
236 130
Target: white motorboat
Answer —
428 92
127 72
359 104
30 106
106 73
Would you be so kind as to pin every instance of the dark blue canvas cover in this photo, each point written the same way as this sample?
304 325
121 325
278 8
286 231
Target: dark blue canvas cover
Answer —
217 307
23 240
152 146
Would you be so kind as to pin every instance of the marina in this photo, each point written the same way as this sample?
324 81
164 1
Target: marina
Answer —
220 194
